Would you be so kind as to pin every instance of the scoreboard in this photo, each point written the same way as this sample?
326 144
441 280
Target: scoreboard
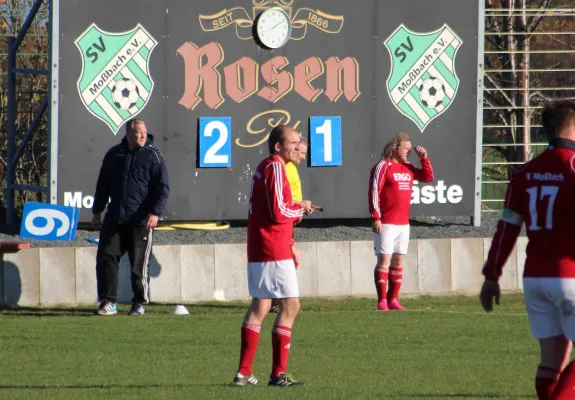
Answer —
211 79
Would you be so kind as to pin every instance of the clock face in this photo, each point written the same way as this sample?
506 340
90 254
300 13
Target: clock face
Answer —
274 28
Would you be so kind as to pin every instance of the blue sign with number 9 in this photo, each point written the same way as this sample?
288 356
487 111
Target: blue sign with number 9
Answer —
215 142
43 221
325 141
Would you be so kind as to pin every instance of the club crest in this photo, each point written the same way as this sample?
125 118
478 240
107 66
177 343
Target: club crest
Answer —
115 83
423 82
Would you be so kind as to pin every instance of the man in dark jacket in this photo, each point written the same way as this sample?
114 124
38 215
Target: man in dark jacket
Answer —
135 180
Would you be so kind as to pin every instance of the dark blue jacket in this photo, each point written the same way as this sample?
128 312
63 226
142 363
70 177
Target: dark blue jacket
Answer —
136 182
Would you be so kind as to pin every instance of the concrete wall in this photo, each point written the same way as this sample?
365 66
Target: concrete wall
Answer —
190 273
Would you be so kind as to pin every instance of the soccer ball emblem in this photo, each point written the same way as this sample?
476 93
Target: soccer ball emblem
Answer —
432 92
125 94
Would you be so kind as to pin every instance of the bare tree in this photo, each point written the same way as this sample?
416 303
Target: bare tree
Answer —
520 43
30 91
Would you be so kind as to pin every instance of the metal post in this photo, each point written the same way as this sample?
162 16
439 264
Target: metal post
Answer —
24 29
12 108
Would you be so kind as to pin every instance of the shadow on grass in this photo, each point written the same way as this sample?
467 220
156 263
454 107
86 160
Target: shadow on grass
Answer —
112 386
48 312
91 311
225 306
230 385
463 395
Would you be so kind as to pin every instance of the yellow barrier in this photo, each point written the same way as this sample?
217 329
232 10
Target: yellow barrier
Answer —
176 226
197 225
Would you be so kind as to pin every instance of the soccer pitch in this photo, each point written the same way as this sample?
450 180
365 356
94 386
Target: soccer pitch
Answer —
441 348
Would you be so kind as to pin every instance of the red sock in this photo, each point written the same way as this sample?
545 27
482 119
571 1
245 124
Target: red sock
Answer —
281 339
565 388
545 382
380 279
394 283
250 339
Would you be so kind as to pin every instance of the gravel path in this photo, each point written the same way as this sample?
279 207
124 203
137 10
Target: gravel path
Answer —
308 231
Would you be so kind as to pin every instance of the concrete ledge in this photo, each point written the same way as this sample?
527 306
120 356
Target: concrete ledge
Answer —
231 280
307 275
197 265
362 263
21 278
434 266
191 273
333 269
466 277
57 275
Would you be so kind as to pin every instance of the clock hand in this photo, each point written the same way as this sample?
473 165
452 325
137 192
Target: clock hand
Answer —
279 23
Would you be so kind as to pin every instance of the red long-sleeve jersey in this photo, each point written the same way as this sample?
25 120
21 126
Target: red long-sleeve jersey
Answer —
390 186
541 195
271 215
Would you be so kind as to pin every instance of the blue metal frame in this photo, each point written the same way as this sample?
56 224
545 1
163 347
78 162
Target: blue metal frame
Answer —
14 153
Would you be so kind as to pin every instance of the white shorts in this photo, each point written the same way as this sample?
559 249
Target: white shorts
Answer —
272 280
392 239
550 304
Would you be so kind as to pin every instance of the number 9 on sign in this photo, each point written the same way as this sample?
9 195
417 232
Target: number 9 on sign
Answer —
215 142
43 221
325 141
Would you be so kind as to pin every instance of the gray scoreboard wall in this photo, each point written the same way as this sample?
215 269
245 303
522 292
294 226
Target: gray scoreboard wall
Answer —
382 67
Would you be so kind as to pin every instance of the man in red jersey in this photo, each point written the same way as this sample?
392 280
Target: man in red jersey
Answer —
542 195
271 255
390 185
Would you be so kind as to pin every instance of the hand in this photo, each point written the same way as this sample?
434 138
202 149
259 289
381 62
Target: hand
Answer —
306 205
296 256
310 210
376 226
421 152
151 222
96 221
489 290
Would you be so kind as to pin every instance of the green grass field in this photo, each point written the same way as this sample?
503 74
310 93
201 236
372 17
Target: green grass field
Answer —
444 348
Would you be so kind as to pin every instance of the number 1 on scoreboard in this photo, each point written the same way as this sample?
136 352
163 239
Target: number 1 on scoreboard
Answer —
325 141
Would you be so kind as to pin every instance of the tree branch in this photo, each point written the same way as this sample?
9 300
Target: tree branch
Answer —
498 112
505 95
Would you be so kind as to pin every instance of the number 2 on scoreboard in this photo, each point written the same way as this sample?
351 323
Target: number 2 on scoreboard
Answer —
215 142
325 141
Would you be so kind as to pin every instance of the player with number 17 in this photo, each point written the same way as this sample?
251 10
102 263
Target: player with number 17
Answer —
541 195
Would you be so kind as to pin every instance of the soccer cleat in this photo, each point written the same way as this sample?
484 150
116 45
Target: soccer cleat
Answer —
275 309
107 308
284 380
382 305
394 305
137 309
243 380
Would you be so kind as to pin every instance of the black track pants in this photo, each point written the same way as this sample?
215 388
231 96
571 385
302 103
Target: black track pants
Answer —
115 241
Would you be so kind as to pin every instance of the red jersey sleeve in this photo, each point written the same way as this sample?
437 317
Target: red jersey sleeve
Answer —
508 229
376 181
280 202
425 173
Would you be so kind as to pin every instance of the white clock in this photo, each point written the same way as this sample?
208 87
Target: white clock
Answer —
273 27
